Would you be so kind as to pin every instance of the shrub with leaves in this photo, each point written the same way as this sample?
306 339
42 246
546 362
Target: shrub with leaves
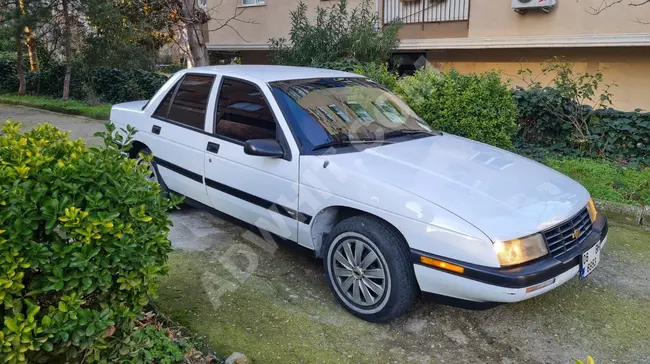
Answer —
99 84
147 340
577 96
378 72
554 119
476 106
337 34
83 238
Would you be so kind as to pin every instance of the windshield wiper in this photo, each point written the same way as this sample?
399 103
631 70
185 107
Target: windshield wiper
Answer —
346 143
399 133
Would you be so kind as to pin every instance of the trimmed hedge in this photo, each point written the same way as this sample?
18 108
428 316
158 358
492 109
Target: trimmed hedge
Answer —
476 106
108 85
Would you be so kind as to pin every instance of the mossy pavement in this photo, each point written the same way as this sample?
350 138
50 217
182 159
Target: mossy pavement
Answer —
284 313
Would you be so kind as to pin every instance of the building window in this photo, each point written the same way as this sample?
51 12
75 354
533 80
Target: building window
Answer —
252 2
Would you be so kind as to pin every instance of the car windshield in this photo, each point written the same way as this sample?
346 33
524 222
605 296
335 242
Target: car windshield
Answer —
332 111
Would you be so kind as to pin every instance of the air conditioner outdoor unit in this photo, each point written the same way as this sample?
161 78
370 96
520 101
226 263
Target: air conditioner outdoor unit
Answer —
521 6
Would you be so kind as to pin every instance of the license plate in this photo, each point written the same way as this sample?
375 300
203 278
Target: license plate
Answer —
589 260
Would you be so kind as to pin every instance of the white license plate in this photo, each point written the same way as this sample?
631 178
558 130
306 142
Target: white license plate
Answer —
590 260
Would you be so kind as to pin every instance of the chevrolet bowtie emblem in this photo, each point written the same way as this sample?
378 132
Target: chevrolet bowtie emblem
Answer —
576 234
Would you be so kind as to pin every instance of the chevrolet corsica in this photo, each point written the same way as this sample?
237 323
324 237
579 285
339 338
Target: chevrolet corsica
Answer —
334 162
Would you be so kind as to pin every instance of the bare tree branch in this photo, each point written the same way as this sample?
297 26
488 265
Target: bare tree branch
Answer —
604 5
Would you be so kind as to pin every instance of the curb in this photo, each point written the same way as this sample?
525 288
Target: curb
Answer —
637 214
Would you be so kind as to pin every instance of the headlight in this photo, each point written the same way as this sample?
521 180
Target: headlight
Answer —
519 251
592 210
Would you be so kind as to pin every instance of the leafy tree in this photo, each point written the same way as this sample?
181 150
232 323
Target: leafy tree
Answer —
181 21
337 34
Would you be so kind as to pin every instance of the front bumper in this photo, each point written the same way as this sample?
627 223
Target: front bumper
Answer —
487 284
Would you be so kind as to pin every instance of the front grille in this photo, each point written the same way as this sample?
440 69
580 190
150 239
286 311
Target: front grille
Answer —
560 239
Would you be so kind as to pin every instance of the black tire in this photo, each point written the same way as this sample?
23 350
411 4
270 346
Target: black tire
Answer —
154 168
370 234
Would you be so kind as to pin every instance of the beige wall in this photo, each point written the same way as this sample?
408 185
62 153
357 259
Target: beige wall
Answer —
451 29
270 20
495 18
628 68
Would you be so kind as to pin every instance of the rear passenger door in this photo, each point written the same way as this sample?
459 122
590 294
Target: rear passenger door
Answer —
180 121
262 191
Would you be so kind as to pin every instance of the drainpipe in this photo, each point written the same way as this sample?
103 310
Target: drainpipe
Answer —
377 14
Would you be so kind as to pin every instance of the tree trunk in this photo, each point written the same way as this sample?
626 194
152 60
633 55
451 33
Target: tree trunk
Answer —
20 71
195 17
30 42
196 45
67 35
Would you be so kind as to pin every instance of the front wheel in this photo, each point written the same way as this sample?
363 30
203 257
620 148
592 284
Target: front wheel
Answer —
368 267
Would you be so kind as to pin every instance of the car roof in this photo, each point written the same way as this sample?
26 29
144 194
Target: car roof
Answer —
265 73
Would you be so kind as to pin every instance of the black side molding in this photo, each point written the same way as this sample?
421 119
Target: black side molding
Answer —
255 200
178 169
242 195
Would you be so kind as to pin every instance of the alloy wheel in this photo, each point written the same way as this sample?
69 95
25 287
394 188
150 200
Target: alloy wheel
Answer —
359 271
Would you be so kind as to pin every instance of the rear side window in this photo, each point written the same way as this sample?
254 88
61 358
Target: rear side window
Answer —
243 113
163 109
190 101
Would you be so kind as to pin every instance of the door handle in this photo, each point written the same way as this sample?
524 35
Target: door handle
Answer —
213 147
155 129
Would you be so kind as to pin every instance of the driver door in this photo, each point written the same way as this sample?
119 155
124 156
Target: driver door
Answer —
262 191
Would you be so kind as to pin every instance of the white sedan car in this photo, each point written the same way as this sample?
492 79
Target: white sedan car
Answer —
337 164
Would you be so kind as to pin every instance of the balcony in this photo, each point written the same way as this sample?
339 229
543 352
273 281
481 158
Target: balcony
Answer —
425 11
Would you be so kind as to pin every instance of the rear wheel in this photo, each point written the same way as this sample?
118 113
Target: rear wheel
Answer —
368 267
152 168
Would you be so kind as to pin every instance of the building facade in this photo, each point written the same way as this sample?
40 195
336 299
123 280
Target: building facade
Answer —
480 35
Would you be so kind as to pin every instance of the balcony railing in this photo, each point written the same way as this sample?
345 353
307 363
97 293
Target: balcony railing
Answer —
425 11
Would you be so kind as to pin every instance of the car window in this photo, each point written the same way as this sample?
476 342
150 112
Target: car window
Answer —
337 110
163 109
190 101
243 113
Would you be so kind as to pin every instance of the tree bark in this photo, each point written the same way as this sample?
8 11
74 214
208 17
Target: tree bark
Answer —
196 45
194 18
20 71
67 35
30 42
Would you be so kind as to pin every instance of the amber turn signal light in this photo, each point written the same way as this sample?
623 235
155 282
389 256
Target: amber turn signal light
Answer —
442 265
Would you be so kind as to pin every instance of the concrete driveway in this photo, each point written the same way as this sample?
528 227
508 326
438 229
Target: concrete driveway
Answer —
239 293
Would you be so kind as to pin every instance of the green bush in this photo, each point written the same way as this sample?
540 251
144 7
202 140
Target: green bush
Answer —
379 73
336 33
83 240
8 80
476 106
110 85
613 134
147 344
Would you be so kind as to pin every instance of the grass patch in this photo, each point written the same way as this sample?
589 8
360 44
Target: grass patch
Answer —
607 180
71 107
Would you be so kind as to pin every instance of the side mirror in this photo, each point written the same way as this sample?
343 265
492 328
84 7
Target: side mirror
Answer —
264 148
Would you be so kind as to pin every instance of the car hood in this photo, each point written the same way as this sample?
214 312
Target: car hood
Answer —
503 194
